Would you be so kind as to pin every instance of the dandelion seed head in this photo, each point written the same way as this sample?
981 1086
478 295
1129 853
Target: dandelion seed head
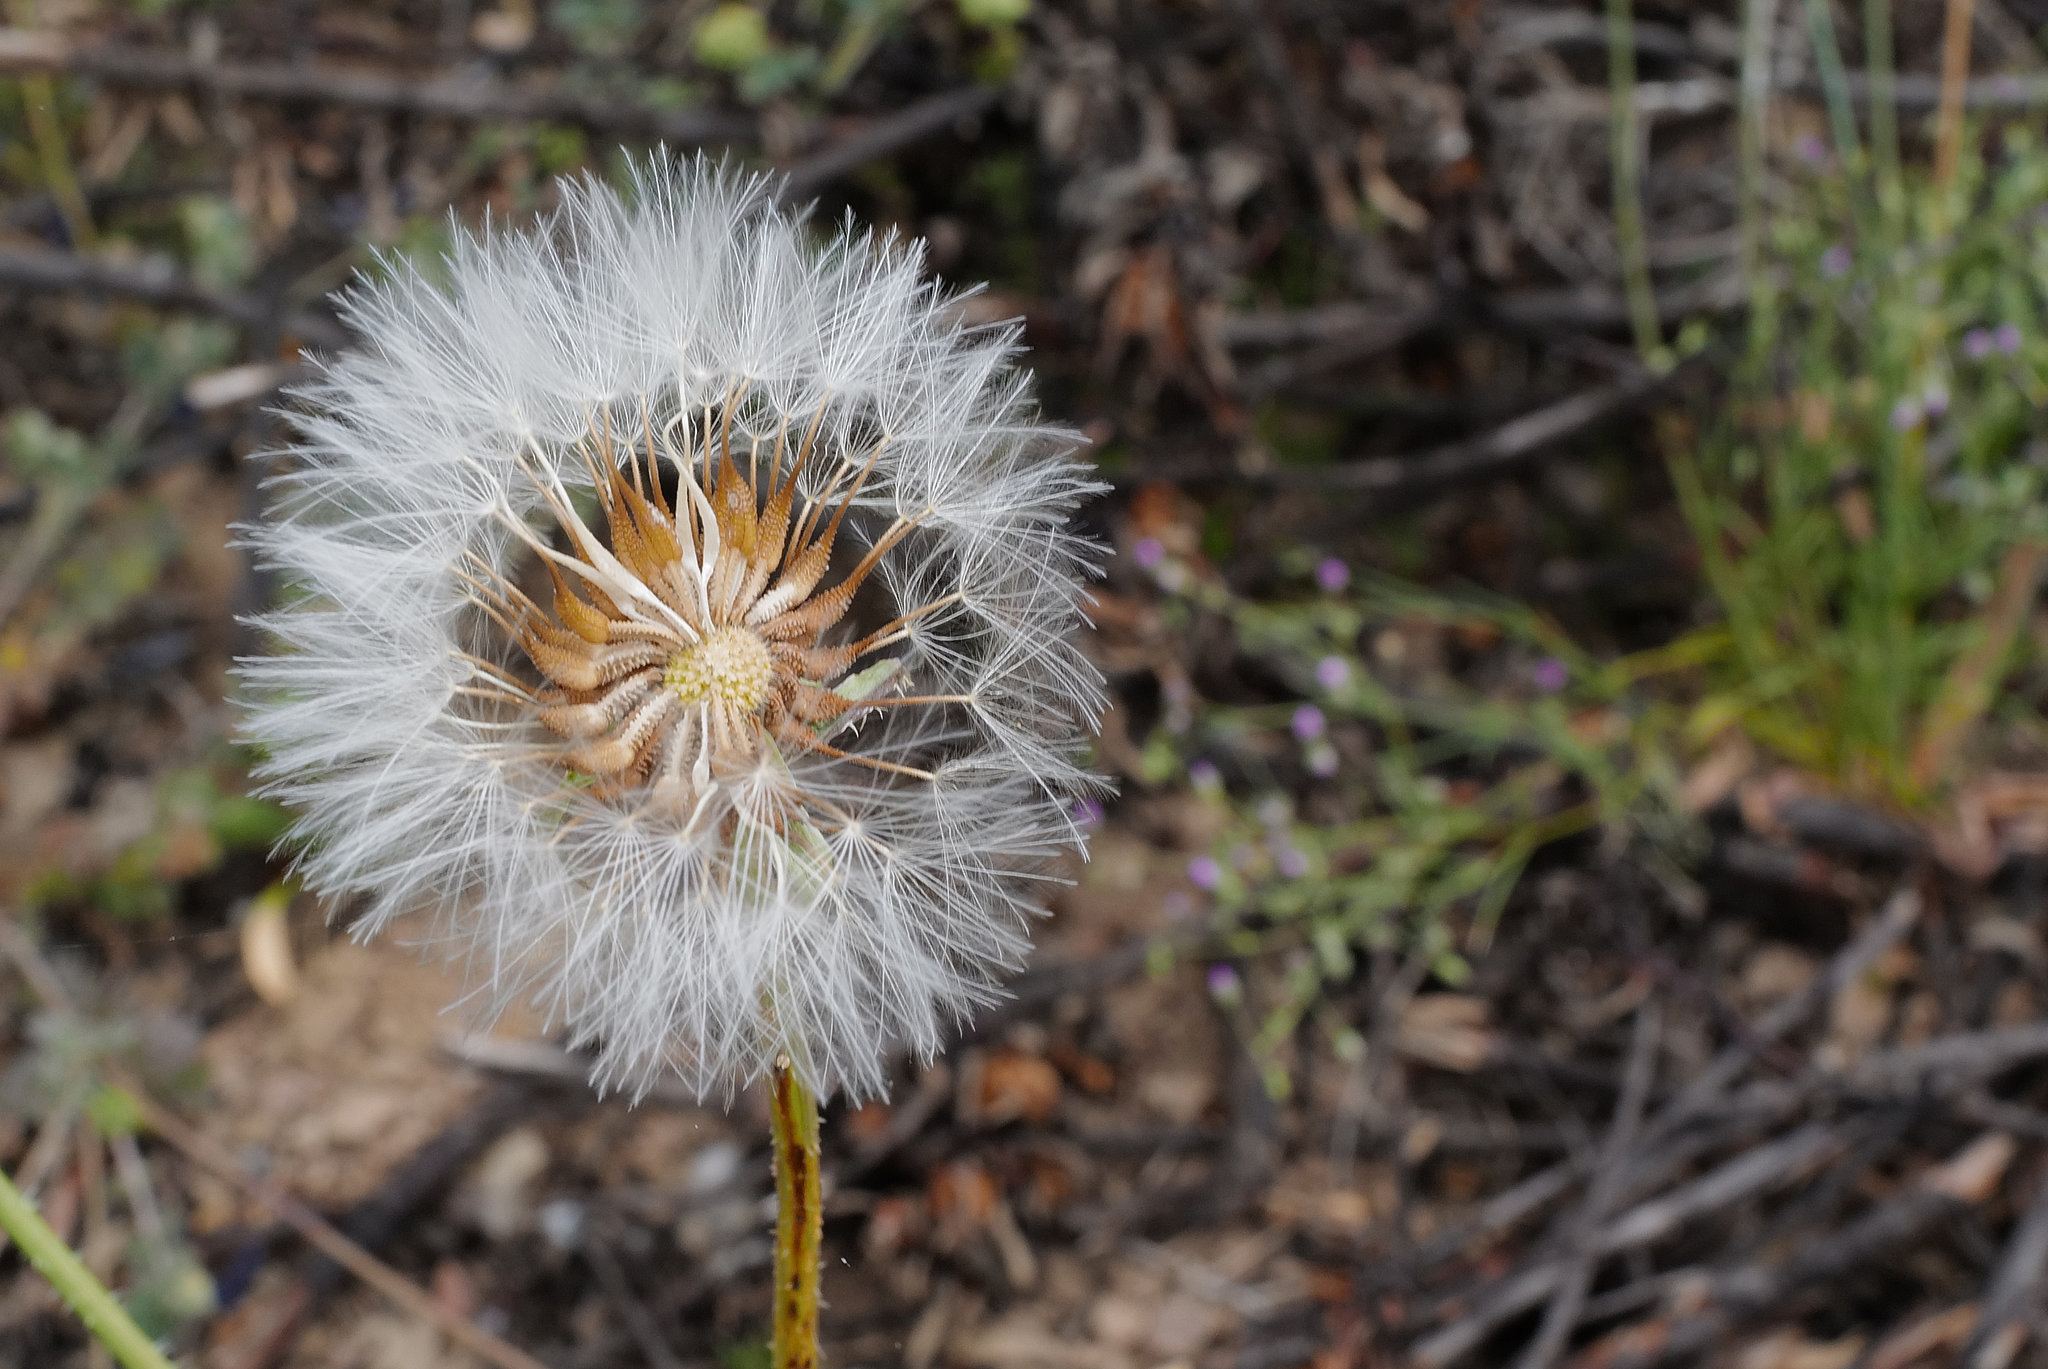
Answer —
683 619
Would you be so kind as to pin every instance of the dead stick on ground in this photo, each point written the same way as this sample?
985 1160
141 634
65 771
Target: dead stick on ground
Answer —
1488 455
884 137
53 272
449 96
1771 1165
1739 1295
318 1233
1955 76
2014 1293
1565 1303
16 946
1897 917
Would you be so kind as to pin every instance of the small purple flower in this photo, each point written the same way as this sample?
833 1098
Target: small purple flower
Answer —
1333 672
1204 872
2007 337
1906 415
1332 574
1550 674
1224 985
1935 399
1308 722
1088 813
1205 775
1977 344
1322 760
1812 149
1836 261
1291 863
1148 553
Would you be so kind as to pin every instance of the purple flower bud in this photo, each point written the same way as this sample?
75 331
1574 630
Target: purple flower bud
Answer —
1550 674
1204 872
1224 985
1308 722
1088 813
1935 399
1977 344
1906 415
1332 574
2007 337
1148 553
1836 261
1204 775
1291 863
1332 672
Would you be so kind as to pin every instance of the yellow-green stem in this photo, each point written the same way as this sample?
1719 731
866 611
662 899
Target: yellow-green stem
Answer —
105 1318
799 1220
39 102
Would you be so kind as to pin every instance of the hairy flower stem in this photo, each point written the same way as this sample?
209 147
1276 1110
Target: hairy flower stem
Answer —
799 1220
105 1318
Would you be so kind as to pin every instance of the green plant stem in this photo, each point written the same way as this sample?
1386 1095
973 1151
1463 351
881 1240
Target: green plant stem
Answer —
1884 119
39 103
1759 21
105 1318
1627 134
799 1220
1834 81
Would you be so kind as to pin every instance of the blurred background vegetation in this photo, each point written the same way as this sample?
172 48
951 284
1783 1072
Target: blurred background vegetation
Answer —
1577 486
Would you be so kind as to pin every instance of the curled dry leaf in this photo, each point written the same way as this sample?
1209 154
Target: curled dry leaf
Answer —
1447 1030
1006 1086
267 947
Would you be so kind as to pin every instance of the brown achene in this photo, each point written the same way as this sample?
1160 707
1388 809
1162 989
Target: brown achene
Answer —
679 645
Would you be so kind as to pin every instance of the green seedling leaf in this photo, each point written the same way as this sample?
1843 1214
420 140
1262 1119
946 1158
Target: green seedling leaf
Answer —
597 28
114 1111
170 1286
731 38
777 70
47 455
242 823
217 241
994 14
